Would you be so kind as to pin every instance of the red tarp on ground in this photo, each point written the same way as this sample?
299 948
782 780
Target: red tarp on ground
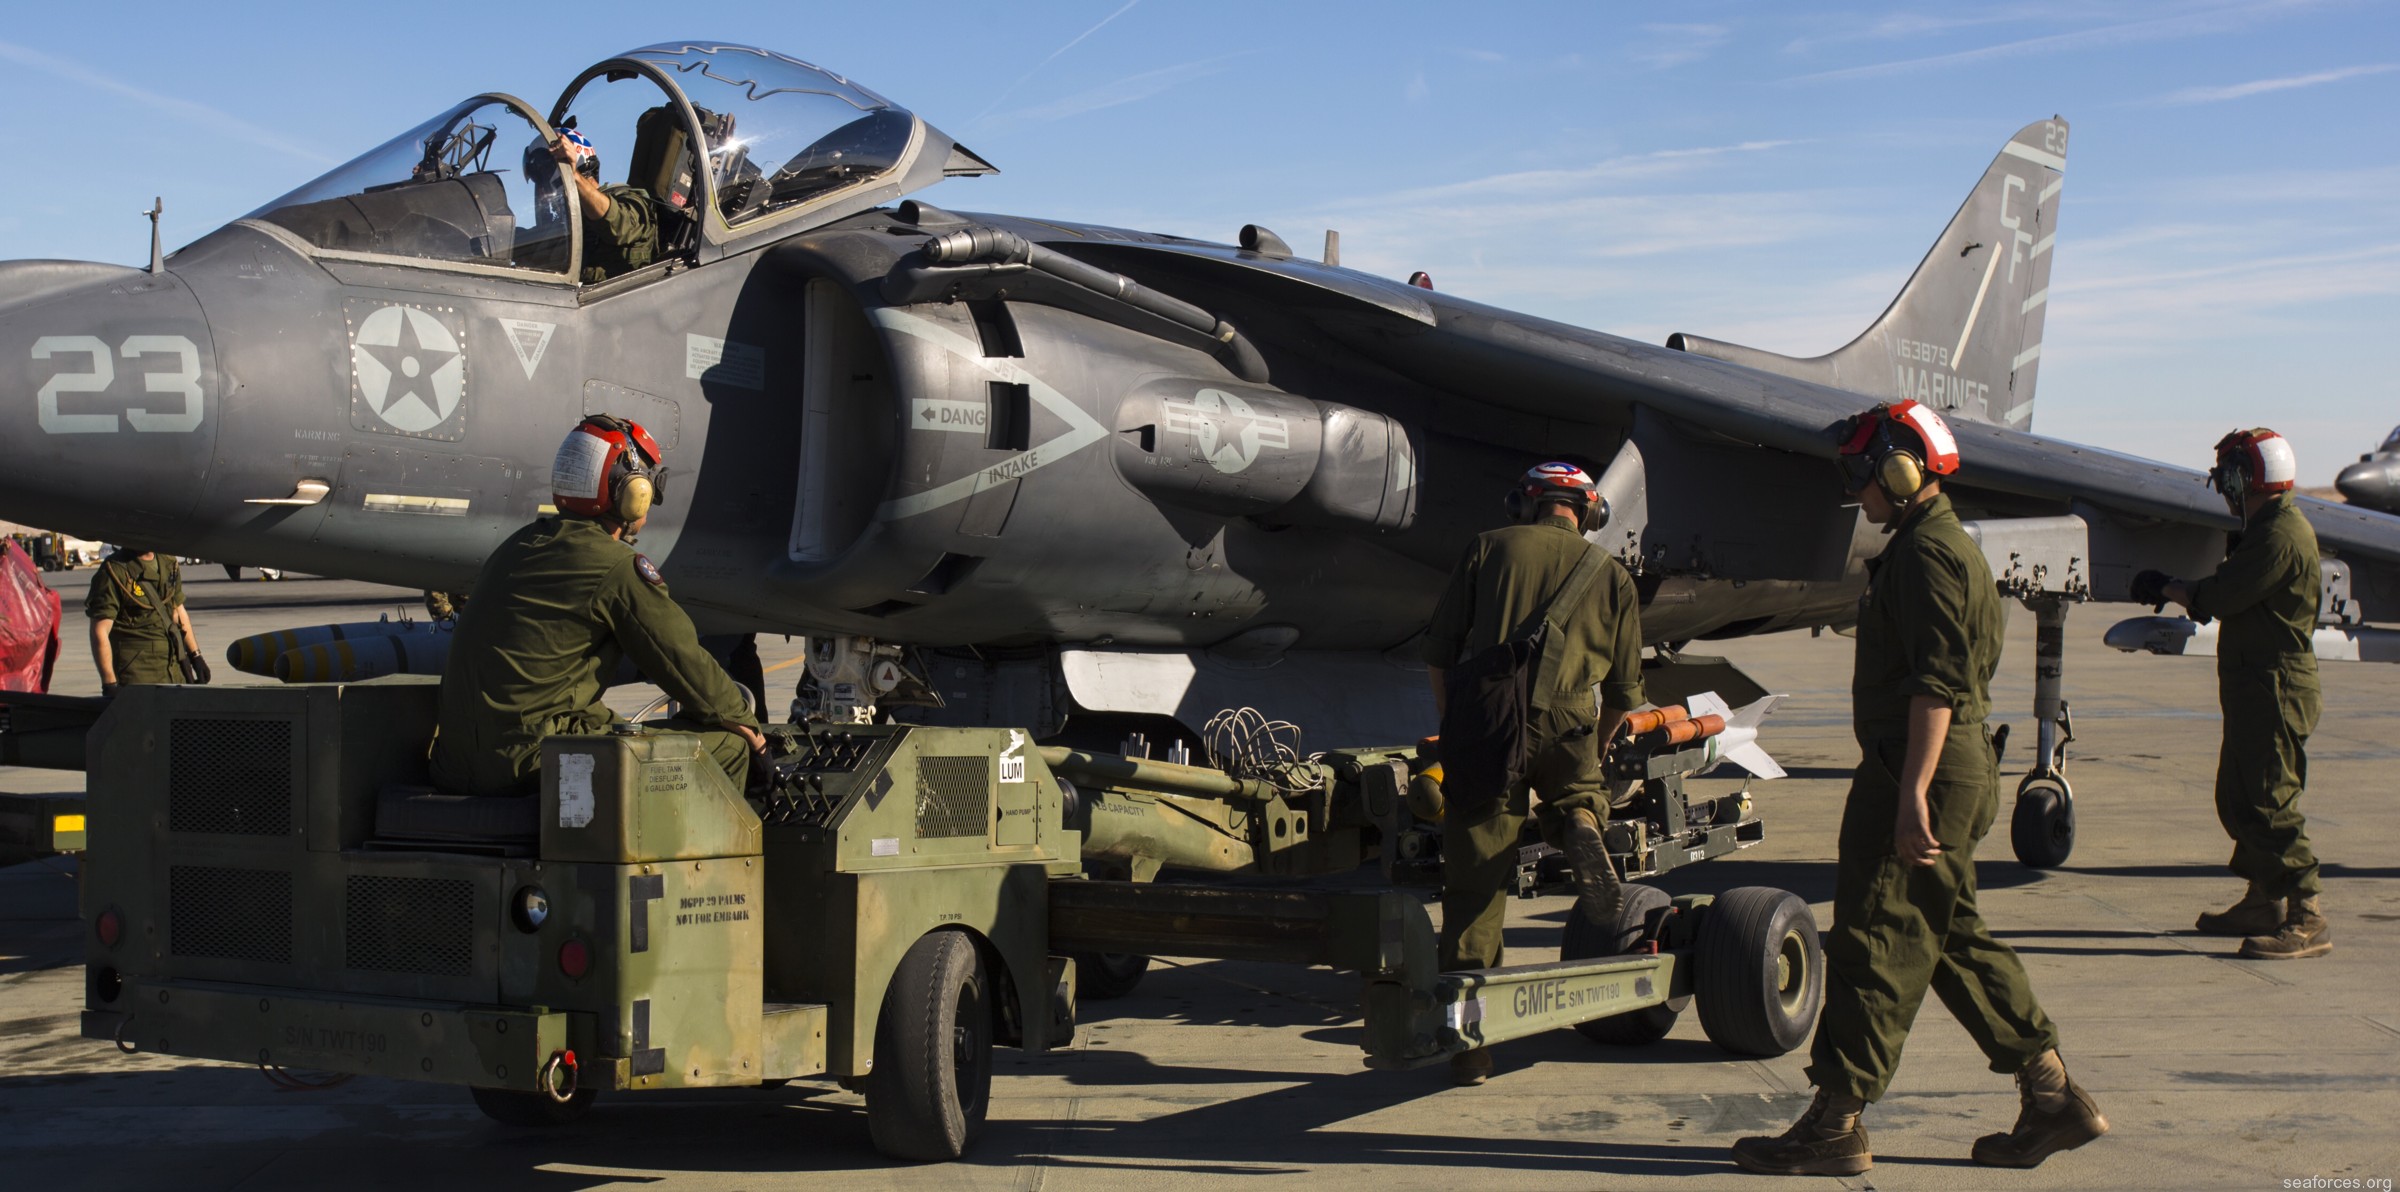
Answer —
29 613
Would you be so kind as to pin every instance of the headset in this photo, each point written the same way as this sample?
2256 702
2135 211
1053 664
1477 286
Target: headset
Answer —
1557 482
608 467
1873 451
2253 461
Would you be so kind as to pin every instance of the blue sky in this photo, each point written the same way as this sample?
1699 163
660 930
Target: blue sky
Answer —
2229 247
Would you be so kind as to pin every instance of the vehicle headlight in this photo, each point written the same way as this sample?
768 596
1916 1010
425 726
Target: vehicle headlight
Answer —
532 909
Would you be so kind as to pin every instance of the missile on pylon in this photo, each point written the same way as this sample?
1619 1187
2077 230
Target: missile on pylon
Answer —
257 653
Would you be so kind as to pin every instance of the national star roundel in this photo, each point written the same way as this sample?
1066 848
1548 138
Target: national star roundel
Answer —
410 370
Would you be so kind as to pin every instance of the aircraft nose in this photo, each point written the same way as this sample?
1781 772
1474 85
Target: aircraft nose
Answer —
108 395
2371 482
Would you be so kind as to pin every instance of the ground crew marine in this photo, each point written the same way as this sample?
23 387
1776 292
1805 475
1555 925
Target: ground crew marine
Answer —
2265 594
1925 793
1505 584
556 607
139 626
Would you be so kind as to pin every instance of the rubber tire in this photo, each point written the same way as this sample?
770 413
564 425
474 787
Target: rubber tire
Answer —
531 1110
1636 921
1102 976
2042 829
926 1098
1750 1003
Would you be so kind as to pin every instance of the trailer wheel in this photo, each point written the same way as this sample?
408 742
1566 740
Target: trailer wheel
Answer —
932 1079
2043 827
1638 916
1100 976
1759 971
532 1110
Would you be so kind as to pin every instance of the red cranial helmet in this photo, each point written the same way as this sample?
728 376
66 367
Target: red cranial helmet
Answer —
2253 461
1555 481
608 467
1896 446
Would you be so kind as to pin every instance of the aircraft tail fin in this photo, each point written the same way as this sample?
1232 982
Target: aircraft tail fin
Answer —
1965 334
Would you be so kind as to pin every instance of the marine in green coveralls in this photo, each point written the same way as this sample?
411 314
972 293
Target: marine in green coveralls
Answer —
2266 592
620 222
138 620
1503 586
556 608
1926 791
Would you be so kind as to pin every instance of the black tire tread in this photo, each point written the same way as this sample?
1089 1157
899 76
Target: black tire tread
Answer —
1104 976
1734 971
1637 905
2041 841
913 1103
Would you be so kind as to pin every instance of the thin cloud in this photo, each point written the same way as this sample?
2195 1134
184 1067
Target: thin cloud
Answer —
1130 89
1683 43
1638 165
1072 42
199 113
2193 24
2192 95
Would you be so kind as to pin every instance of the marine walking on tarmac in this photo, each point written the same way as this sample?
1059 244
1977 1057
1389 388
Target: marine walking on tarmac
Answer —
1535 618
2267 593
556 608
140 630
1925 793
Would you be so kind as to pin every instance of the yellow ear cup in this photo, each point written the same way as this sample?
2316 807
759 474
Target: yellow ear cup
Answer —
1900 475
633 498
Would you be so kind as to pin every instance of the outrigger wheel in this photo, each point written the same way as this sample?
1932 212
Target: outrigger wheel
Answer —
932 1079
1101 976
2043 827
1759 971
1641 913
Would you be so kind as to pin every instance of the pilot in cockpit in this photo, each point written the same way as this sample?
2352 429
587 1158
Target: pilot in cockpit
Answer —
630 224
620 221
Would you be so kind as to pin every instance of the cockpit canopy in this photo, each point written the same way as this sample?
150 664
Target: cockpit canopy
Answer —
730 138
779 131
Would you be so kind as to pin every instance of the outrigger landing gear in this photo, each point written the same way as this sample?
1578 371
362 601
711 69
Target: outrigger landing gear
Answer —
2043 827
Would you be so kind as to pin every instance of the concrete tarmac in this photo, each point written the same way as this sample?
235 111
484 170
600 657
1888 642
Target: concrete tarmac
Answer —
2214 1072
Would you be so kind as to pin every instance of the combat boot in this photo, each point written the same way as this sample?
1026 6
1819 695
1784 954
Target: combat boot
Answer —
1829 1139
2255 914
2054 1114
2304 933
1471 1068
1597 894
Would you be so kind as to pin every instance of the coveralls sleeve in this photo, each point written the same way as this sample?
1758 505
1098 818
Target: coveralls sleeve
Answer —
632 223
100 603
1622 689
1932 607
1454 617
659 638
2254 570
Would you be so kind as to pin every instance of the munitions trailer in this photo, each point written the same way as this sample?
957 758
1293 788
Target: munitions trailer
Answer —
271 881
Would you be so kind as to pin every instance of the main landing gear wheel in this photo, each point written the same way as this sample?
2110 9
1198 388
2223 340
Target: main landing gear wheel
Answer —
932 1080
2043 827
1759 971
1101 976
532 1110
1639 916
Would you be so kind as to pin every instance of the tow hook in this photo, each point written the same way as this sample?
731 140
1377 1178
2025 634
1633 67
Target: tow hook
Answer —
559 1076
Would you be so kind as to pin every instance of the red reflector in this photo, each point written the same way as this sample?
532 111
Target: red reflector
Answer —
574 959
110 927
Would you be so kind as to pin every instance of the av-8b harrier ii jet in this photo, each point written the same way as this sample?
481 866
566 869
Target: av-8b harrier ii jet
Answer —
1075 477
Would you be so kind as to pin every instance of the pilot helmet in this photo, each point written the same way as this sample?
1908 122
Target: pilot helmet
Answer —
608 467
1896 446
1555 481
2253 461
